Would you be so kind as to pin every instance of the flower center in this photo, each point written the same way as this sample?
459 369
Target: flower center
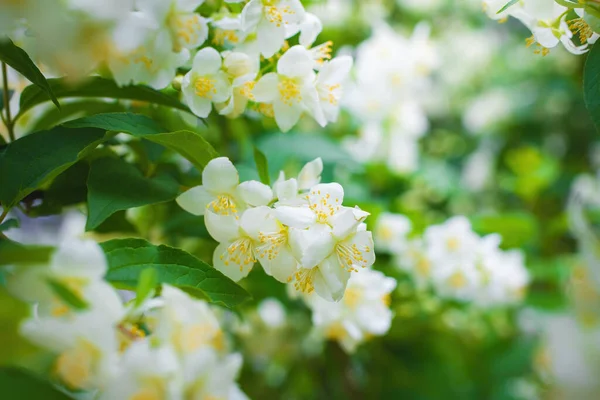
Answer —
246 90
323 206
239 253
223 205
322 52
187 28
453 244
270 243
195 336
457 280
289 91
352 296
205 87
330 93
225 35
75 365
350 256
304 280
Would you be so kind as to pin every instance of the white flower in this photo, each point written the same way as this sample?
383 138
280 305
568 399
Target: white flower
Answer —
391 232
186 324
206 83
310 27
328 241
242 70
363 311
329 85
145 372
86 346
291 90
457 279
207 376
272 312
268 18
452 240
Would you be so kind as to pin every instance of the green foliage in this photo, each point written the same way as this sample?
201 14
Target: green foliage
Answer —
17 383
9 224
14 346
128 258
190 145
34 160
18 59
146 284
67 295
591 84
95 87
518 229
507 5
16 253
262 166
115 185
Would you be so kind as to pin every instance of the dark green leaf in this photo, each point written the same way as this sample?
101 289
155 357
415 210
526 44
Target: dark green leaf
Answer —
16 253
33 160
148 281
507 5
96 87
10 93
17 383
67 295
190 145
591 84
67 189
262 166
115 185
127 258
55 116
20 61
9 224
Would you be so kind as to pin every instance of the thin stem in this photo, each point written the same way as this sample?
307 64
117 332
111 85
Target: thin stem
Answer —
4 214
8 122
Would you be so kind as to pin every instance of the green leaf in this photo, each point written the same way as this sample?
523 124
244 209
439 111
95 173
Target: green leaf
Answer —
262 166
17 383
591 84
14 346
517 229
115 185
67 295
33 160
54 116
20 61
16 253
9 224
507 5
96 87
189 144
147 283
127 258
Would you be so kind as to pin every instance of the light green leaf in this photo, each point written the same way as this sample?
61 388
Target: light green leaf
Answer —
262 166
17 383
9 224
147 283
33 160
127 258
14 346
517 229
96 87
115 185
507 5
190 145
67 295
18 59
16 253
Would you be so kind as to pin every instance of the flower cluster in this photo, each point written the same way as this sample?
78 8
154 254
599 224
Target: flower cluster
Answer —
147 41
154 347
363 312
392 72
572 23
456 263
299 229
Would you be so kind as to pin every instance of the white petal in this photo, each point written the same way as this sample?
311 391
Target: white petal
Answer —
326 198
331 279
282 266
286 189
294 11
296 217
200 106
265 90
232 270
222 228
220 176
79 258
346 221
286 116
320 245
255 193
251 15
310 99
270 38
257 220
207 61
222 87
310 174
310 29
335 71
296 62
195 200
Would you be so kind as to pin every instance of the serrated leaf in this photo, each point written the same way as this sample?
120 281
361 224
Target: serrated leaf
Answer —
507 5
16 253
147 283
262 166
115 185
9 224
17 383
96 87
67 295
18 59
127 258
33 160
189 144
